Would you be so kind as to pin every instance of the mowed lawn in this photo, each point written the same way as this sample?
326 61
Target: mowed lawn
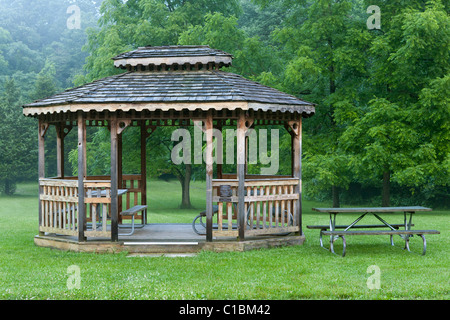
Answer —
299 272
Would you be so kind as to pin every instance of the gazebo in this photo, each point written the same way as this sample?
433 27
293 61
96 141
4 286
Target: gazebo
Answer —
168 86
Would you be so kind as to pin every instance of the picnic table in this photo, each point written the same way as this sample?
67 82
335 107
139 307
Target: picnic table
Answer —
335 231
131 212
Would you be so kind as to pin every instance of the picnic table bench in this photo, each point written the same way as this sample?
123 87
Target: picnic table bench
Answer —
332 230
132 212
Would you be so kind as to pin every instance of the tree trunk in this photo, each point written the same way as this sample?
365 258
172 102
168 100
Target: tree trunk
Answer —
386 192
335 194
10 187
185 188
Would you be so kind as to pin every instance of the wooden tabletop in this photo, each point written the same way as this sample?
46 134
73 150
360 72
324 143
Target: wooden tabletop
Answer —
372 209
103 192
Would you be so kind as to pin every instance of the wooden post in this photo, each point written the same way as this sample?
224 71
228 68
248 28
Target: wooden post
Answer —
59 151
241 130
114 180
209 174
81 176
292 154
119 173
219 151
42 129
297 167
246 155
144 169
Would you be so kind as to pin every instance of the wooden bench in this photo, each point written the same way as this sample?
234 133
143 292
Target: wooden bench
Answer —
132 212
405 234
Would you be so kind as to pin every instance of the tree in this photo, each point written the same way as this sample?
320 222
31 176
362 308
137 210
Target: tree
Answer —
33 31
18 153
161 148
323 48
403 135
379 93
380 143
45 85
253 58
124 26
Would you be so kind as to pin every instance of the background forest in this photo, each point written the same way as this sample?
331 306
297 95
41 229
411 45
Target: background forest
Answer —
381 133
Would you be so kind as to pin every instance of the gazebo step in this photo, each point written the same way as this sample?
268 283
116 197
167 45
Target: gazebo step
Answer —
162 247
168 243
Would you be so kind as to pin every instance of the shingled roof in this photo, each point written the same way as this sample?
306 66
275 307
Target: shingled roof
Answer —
171 88
170 55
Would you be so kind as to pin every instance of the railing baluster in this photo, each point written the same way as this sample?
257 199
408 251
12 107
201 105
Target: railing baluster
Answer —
230 215
219 216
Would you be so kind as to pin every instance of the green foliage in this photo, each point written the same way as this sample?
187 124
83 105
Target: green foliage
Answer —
127 25
251 56
33 32
45 82
382 95
18 141
405 128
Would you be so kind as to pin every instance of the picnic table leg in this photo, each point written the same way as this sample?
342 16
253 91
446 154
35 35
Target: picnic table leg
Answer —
424 244
320 238
408 227
407 223
344 243
334 238
390 227
332 225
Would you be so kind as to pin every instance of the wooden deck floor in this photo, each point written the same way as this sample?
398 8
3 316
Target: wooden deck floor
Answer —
162 231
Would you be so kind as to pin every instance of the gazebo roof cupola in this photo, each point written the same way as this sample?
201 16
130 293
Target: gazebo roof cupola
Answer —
164 58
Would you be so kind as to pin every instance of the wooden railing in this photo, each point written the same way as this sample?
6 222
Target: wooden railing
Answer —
270 206
59 206
59 203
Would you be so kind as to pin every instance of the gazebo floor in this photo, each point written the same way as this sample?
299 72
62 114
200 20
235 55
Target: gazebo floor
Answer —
164 238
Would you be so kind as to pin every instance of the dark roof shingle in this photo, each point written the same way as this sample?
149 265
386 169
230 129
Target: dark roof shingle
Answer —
186 86
171 51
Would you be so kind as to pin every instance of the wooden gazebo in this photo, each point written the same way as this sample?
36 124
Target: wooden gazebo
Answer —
168 85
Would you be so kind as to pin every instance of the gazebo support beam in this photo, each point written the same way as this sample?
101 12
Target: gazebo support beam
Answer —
42 129
209 175
61 132
219 151
114 179
295 129
119 172
59 150
144 136
241 130
81 176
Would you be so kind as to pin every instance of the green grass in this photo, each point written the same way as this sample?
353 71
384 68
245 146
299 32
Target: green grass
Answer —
299 272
